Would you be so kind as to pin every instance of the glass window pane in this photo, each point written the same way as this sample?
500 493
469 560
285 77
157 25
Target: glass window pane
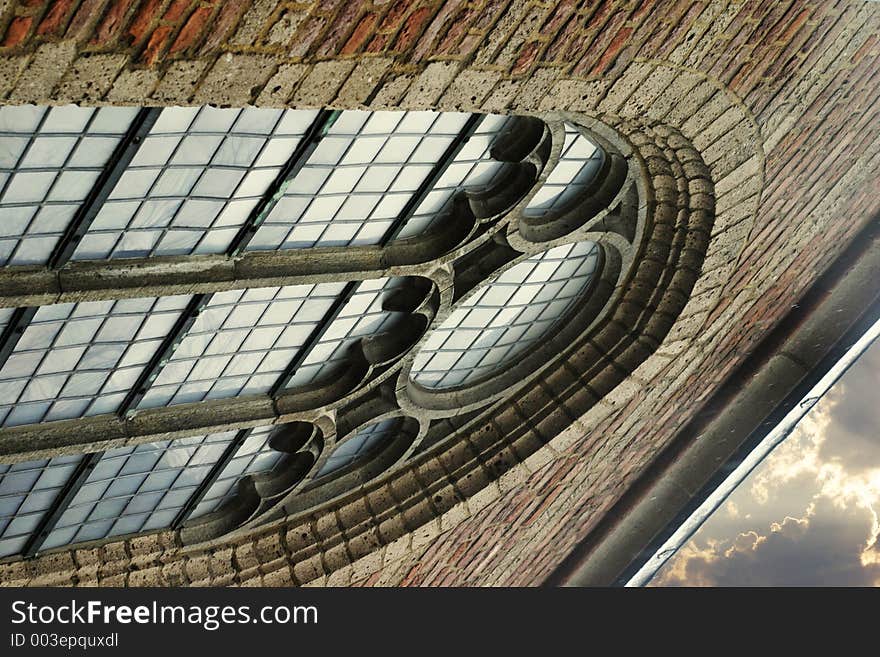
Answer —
135 489
502 320
49 161
578 165
71 358
27 491
252 457
363 154
204 154
362 316
229 349
360 446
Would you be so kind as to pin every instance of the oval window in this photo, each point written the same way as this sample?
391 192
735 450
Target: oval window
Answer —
505 317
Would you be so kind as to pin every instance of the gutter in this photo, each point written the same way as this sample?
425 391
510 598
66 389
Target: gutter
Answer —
807 344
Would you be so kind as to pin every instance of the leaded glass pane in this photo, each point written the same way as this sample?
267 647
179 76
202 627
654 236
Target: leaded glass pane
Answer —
364 442
505 317
50 158
27 491
78 359
241 342
134 489
194 181
358 179
360 317
252 457
472 168
578 165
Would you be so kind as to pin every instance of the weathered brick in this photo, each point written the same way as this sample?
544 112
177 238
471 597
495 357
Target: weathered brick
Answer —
281 85
363 81
322 83
360 35
156 45
113 22
411 30
56 18
236 80
223 24
145 18
84 19
18 30
49 64
90 77
801 72
179 82
193 30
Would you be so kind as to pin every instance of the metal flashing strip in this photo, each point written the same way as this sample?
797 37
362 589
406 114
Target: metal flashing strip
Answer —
750 461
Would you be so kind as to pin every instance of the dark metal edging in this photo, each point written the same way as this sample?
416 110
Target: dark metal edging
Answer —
836 310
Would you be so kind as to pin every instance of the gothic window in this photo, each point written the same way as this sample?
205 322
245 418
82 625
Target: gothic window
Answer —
271 308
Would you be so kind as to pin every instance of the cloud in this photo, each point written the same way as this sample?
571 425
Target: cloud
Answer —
853 437
810 513
824 548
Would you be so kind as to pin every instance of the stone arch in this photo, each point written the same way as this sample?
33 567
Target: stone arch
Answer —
420 502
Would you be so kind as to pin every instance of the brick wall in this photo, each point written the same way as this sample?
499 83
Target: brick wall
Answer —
780 97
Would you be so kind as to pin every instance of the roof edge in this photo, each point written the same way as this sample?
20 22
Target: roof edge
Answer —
830 317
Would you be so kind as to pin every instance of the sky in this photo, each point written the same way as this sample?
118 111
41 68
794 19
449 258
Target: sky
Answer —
809 514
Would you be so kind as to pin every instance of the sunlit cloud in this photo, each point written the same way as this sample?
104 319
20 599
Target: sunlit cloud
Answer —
813 504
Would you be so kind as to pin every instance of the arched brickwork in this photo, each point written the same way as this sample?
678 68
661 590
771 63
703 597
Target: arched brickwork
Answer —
508 500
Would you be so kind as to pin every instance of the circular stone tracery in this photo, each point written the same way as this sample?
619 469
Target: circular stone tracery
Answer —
513 312
506 317
509 309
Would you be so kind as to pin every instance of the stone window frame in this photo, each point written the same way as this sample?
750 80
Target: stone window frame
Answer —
591 353
660 165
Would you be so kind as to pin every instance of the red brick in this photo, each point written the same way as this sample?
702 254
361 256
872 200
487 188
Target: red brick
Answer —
600 44
838 123
490 13
560 44
230 13
437 26
192 31
788 34
737 50
85 15
600 15
861 52
307 34
17 31
146 16
773 23
612 51
412 28
642 11
114 22
469 44
457 29
682 27
378 44
657 38
156 44
360 34
527 57
176 11
56 17
394 18
340 28
557 19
